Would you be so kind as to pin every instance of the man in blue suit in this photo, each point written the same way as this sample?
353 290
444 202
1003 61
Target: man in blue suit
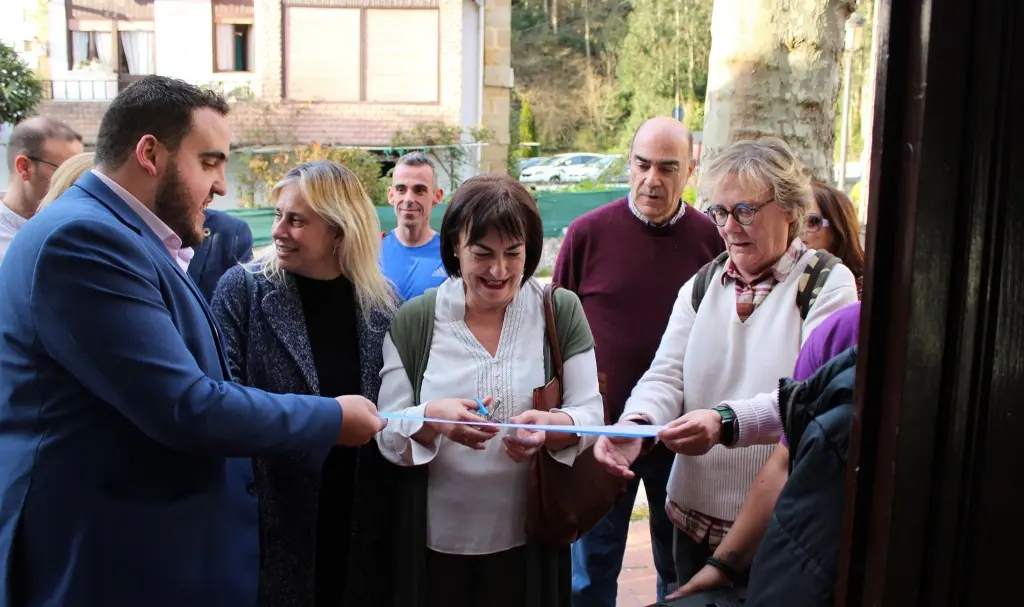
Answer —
227 242
124 478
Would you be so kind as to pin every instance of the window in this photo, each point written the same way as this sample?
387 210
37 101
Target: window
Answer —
376 55
92 48
235 47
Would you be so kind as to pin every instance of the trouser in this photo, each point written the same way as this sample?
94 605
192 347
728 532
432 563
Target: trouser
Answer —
690 556
597 556
486 580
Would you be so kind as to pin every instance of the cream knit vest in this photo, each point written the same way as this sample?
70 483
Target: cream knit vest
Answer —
727 359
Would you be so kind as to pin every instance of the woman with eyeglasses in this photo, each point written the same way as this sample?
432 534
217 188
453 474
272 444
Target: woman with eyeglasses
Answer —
832 226
736 328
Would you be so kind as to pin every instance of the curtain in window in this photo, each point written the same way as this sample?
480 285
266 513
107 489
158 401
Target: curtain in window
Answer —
104 50
138 50
250 51
225 47
79 48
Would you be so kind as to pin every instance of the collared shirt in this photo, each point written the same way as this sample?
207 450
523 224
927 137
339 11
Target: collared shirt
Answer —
172 242
749 295
636 212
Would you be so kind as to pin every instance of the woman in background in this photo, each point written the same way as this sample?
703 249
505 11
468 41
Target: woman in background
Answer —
832 225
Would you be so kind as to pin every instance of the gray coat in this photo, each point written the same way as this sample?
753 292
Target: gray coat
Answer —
268 348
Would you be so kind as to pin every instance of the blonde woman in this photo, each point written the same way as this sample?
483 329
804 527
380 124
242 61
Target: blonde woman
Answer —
65 176
308 316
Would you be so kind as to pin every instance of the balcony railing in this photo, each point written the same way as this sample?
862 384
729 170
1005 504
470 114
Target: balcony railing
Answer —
105 88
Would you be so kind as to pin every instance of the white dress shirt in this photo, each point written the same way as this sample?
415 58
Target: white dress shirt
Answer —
476 500
10 223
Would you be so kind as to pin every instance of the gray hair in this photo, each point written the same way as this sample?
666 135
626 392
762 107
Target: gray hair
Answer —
419 159
768 164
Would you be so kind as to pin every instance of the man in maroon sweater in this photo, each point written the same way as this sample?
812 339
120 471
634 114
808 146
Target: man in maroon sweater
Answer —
627 261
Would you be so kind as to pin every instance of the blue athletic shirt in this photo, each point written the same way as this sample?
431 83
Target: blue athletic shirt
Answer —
412 269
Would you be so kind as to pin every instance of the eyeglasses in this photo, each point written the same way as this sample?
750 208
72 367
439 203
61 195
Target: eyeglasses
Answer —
743 213
816 222
34 159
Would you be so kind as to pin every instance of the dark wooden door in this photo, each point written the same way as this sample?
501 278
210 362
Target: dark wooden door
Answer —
936 498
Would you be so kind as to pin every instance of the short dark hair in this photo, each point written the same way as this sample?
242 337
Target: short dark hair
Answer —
30 135
488 202
153 105
841 214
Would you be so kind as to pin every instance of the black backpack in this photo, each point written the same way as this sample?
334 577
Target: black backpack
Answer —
815 275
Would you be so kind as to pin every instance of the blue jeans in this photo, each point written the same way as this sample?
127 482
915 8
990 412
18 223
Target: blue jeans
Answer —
597 556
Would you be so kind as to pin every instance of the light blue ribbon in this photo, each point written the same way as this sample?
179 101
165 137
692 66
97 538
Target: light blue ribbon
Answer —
640 431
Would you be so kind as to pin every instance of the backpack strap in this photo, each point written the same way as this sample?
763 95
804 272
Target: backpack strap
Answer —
702 279
815 275
250 286
412 331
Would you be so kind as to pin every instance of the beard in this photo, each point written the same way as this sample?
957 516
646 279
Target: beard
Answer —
172 206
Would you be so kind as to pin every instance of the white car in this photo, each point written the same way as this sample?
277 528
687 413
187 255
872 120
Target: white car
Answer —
553 169
591 170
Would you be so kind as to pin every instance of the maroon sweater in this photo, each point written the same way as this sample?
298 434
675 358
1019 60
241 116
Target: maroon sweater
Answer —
628 274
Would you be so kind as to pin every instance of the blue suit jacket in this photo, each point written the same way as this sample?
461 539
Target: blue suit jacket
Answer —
228 243
118 427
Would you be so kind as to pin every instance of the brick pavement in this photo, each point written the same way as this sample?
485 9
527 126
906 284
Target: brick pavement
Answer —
638 580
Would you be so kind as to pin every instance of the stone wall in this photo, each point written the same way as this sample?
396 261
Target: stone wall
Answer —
498 80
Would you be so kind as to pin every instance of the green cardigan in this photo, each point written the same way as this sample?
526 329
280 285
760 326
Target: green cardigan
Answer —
549 571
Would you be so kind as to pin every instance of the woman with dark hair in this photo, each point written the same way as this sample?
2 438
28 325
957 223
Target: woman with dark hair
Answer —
473 350
832 225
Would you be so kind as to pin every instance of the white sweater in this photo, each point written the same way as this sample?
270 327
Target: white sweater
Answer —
476 500
709 357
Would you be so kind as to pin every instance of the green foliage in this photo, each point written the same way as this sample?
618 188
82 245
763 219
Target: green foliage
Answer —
527 130
20 89
263 171
445 143
667 44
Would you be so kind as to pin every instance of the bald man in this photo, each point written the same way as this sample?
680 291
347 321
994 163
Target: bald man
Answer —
627 261
37 146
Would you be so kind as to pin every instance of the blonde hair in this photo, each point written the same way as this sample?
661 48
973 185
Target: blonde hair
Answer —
769 164
65 176
334 193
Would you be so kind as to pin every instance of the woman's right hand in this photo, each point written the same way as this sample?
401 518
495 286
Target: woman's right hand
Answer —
617 453
460 409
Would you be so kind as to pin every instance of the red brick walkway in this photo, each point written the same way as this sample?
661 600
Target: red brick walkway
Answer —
638 580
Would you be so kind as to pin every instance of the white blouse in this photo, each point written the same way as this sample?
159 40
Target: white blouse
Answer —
476 500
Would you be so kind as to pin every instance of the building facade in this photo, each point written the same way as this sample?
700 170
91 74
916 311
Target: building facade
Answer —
342 72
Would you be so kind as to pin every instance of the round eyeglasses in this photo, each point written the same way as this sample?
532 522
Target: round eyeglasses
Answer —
816 222
743 213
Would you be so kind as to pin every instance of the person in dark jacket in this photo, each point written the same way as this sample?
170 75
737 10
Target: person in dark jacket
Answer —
797 559
227 242
309 317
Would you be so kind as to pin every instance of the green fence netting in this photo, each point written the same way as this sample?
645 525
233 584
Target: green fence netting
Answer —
557 210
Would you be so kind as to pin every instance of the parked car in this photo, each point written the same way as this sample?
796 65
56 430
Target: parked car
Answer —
596 169
553 169
525 163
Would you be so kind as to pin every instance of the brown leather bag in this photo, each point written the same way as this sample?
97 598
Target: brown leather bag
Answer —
564 502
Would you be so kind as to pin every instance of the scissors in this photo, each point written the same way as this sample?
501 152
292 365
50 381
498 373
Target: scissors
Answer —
480 408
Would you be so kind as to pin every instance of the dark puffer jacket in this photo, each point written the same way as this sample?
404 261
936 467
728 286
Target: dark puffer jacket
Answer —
796 561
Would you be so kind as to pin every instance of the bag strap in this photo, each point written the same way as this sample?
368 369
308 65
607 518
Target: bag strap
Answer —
815 275
702 279
250 283
412 331
551 330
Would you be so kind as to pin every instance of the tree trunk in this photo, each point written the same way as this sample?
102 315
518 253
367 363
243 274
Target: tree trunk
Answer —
867 114
775 69
554 16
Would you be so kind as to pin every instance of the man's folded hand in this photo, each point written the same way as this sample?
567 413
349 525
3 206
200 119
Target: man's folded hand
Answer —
359 421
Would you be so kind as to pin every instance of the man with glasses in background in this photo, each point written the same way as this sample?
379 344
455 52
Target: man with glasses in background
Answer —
37 146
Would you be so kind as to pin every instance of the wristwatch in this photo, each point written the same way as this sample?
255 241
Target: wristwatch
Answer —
728 434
